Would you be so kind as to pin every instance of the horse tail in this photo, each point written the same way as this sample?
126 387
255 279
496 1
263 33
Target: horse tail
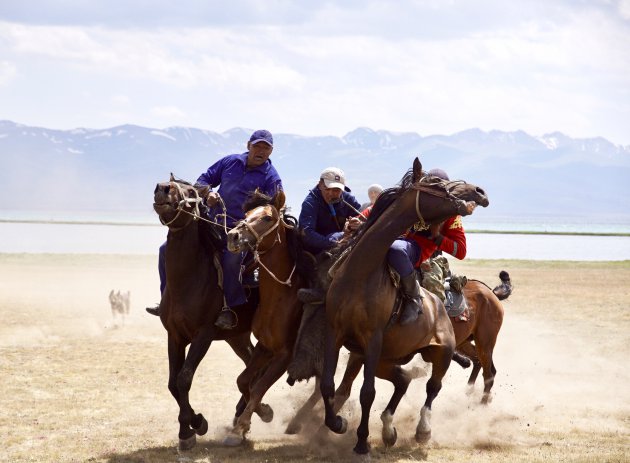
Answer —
503 290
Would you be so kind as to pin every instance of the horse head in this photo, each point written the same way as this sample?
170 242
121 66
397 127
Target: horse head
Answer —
172 198
262 219
437 199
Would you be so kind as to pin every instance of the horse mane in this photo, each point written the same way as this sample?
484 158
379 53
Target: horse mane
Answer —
257 199
383 202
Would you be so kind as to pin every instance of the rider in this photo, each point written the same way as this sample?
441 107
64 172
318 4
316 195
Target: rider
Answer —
414 247
238 175
328 211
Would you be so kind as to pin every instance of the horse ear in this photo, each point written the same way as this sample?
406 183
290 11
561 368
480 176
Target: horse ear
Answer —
203 190
279 199
172 179
417 170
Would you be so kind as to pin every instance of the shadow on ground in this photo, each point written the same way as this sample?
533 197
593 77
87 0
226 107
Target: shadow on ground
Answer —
215 452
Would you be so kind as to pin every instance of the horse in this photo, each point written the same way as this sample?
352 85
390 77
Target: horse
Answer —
193 298
477 336
361 296
269 237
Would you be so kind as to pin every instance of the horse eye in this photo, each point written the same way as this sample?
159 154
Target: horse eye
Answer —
267 218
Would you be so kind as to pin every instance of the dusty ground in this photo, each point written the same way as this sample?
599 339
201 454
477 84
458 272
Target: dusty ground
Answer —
78 387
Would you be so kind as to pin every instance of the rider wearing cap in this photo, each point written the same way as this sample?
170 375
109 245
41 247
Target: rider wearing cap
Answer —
327 211
237 175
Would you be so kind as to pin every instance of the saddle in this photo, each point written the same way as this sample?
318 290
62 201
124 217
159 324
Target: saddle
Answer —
455 301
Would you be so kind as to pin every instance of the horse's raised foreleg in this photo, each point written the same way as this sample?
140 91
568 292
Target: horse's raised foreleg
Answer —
440 358
274 370
295 425
189 422
368 391
400 378
334 422
342 394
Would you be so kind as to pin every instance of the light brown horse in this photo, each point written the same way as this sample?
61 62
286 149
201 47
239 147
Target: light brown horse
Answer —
264 232
361 296
192 300
477 336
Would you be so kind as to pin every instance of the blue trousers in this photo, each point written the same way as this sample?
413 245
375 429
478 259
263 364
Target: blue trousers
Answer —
230 263
402 255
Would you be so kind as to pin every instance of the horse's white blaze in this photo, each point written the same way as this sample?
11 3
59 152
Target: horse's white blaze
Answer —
424 425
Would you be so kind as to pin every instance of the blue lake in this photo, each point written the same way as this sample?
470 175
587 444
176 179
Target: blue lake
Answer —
136 239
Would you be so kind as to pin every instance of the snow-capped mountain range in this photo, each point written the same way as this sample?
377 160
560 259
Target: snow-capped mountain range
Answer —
117 168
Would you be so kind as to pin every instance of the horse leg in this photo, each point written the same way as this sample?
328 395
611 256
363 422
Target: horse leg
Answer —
400 379
440 358
334 422
255 367
243 347
189 422
353 367
274 370
489 371
295 425
368 391
468 349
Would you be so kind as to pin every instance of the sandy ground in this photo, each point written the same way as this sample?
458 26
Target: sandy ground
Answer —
79 386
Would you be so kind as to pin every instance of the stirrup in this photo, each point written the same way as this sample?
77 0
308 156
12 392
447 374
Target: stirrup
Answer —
223 324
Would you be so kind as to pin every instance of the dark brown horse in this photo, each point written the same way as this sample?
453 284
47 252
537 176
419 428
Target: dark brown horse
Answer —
265 233
193 298
361 297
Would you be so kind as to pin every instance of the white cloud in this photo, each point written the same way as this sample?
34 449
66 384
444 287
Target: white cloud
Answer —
168 112
8 72
624 8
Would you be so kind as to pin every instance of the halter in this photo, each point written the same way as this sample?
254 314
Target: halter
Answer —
182 204
259 239
424 187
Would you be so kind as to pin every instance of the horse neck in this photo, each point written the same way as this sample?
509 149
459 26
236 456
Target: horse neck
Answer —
371 249
279 261
183 251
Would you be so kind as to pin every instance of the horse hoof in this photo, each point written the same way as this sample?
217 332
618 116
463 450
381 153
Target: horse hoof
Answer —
202 429
362 452
423 437
265 412
389 439
339 426
233 440
293 428
486 399
187 444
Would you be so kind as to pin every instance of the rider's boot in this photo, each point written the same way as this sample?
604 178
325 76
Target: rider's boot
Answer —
154 310
412 304
226 320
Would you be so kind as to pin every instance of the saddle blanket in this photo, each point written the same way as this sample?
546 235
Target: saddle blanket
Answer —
455 304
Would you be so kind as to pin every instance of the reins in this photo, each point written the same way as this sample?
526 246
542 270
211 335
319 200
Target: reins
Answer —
259 239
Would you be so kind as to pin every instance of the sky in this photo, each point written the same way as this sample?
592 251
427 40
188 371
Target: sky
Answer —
319 68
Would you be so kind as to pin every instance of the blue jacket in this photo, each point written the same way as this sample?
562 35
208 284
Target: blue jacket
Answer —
323 223
238 182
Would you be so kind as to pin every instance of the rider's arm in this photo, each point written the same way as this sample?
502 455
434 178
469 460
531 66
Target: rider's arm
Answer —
308 222
452 238
212 177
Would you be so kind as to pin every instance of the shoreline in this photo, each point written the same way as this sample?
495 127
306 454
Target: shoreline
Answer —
145 224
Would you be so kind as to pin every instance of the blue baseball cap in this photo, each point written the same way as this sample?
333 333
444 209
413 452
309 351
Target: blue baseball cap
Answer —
261 135
439 173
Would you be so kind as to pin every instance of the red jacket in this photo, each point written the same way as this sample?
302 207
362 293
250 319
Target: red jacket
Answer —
452 240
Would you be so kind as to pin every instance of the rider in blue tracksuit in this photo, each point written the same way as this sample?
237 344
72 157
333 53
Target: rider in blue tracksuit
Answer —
237 175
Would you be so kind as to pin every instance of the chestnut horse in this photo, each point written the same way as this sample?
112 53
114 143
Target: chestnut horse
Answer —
361 297
193 298
264 232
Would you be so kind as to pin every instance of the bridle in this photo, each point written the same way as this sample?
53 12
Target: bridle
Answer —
423 186
260 237
182 205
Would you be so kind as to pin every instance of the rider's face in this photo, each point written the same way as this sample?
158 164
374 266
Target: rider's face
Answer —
330 195
258 153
